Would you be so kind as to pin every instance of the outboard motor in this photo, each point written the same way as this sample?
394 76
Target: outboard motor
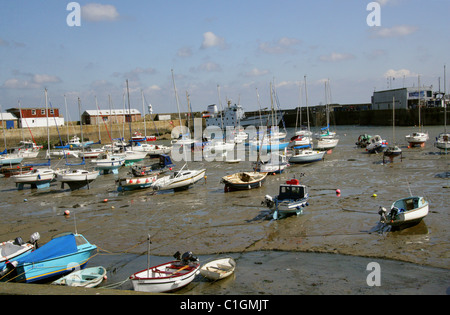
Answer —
268 201
18 241
34 238
187 258
382 212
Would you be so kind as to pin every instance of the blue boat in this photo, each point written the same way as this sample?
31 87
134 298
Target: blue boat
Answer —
62 255
292 198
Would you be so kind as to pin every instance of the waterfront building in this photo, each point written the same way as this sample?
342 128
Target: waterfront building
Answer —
95 117
37 117
405 98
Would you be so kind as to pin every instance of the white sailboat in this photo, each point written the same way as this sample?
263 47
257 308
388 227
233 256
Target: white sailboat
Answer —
417 138
304 153
38 177
76 178
326 139
8 158
393 150
443 139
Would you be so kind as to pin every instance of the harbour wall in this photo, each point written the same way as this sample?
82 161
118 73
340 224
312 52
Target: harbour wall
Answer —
317 117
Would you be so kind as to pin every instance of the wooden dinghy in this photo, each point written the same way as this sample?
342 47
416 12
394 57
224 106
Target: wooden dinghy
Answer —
218 268
243 180
86 278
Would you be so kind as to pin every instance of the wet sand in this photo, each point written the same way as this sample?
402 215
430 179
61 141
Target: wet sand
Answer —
211 223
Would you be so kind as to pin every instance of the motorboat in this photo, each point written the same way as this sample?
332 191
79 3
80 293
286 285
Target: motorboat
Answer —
60 256
291 199
405 212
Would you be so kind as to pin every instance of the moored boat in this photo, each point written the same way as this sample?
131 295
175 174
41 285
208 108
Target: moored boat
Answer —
134 183
60 256
17 248
179 180
76 178
37 178
243 180
166 277
86 278
218 268
405 212
291 199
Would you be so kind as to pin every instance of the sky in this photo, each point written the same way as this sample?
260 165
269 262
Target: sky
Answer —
217 50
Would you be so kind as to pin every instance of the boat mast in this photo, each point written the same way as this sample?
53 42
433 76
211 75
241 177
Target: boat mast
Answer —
129 110
48 130
176 97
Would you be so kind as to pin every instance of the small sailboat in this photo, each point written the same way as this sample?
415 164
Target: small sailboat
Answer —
37 178
291 199
86 278
443 139
393 150
108 163
179 180
276 164
5 157
218 268
76 178
405 212
166 277
418 138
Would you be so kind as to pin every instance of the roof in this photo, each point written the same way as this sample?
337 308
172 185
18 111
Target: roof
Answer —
7 116
114 112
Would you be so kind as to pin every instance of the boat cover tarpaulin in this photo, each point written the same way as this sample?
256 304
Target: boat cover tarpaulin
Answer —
57 247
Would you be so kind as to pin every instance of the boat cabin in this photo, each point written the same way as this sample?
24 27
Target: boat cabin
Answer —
292 190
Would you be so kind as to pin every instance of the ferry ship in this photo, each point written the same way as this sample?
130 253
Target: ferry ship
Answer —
234 116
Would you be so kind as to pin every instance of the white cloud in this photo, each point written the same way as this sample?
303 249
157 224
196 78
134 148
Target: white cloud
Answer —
35 81
255 72
399 73
184 52
209 66
281 46
395 31
212 40
334 57
96 12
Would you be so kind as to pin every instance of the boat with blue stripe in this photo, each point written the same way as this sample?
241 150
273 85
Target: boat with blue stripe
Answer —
60 256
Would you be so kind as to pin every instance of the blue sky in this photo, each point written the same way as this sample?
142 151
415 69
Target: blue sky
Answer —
241 46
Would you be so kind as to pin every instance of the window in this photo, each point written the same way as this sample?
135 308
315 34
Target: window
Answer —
42 111
52 111
33 112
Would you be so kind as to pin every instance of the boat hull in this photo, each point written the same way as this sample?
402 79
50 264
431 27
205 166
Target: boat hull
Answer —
86 278
307 156
179 183
128 184
38 267
164 278
218 269
406 212
238 181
